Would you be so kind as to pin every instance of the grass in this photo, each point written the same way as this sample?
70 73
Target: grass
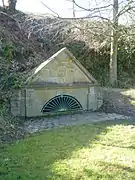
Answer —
97 152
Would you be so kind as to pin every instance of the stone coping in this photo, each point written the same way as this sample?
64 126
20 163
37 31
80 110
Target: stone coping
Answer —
50 85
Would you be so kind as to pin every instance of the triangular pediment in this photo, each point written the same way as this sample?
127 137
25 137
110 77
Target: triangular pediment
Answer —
61 68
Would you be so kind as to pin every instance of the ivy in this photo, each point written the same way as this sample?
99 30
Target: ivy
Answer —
8 51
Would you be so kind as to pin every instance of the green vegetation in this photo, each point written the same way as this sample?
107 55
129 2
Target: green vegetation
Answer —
97 60
20 54
98 151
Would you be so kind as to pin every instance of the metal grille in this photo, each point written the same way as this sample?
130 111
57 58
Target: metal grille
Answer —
62 103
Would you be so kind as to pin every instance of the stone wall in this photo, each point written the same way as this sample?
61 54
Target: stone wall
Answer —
29 102
18 103
36 98
88 97
95 95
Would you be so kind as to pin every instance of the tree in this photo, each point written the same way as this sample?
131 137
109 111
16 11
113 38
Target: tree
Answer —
119 9
3 3
12 5
114 45
114 32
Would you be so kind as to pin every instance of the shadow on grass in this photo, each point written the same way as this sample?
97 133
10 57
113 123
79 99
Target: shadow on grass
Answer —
111 171
35 157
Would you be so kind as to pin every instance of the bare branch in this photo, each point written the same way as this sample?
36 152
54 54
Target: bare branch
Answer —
100 17
91 31
17 23
92 9
130 6
50 9
77 18
86 17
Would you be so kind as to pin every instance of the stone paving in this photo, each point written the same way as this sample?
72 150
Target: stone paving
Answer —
45 123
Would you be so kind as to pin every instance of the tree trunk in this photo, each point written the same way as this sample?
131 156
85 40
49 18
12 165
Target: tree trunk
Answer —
12 5
113 58
3 3
114 45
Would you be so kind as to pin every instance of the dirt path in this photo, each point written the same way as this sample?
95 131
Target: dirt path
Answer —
32 126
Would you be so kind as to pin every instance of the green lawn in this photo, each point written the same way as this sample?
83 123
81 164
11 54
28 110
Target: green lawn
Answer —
98 151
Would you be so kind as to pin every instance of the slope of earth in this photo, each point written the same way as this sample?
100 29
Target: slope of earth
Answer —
120 101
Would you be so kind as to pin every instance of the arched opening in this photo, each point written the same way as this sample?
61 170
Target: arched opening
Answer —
62 103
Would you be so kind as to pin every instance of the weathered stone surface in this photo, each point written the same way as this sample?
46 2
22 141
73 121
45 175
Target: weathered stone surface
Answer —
32 126
61 74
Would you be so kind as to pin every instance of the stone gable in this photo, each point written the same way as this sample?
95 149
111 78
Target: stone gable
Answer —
61 68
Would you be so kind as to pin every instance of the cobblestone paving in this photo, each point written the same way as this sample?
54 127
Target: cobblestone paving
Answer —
36 125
